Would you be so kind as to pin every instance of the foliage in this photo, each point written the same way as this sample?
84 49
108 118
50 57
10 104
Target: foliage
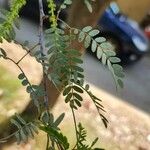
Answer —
66 73
25 130
103 49
6 28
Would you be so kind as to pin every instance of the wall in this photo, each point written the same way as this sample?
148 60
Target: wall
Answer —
136 9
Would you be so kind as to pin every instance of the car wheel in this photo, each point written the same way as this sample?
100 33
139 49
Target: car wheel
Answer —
129 58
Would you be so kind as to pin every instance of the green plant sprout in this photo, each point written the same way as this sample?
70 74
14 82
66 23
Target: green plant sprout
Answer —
61 65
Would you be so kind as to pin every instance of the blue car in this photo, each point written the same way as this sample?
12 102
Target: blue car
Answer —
125 34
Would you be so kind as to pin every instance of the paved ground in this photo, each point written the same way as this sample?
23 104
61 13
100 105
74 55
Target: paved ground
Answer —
137 85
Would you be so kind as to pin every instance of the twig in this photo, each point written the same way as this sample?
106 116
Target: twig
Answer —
47 145
4 140
7 58
75 124
42 48
27 53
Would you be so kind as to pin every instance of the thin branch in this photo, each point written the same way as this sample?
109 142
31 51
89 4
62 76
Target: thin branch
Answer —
58 12
94 102
4 140
21 70
27 53
47 145
7 58
75 124
64 23
42 48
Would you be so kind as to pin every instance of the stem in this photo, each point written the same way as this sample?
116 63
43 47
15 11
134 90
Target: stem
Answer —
64 23
71 28
3 140
52 7
7 58
42 48
47 145
93 101
27 53
75 124
58 13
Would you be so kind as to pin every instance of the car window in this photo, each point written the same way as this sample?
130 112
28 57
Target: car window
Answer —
114 8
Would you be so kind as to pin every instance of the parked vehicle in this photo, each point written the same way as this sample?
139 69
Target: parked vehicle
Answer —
124 33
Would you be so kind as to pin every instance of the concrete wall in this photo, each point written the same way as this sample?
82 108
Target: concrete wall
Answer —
136 9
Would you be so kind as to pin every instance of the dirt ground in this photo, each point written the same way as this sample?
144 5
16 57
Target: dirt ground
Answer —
129 127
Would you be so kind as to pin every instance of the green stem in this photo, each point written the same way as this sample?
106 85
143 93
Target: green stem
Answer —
4 140
42 49
27 53
75 125
52 7
21 70
47 145
112 71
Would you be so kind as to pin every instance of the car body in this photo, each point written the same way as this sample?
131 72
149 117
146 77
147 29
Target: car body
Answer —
130 39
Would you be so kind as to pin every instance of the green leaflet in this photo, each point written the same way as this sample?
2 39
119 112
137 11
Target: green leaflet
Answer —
67 90
100 39
76 31
104 59
109 53
120 83
82 135
77 96
56 136
104 51
68 97
94 32
6 28
87 87
65 4
2 53
25 130
88 5
87 29
87 41
94 46
78 69
18 138
81 36
99 52
59 119
77 89
115 59
25 82
78 103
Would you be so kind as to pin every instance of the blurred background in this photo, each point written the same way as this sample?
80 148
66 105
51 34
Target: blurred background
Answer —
126 24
